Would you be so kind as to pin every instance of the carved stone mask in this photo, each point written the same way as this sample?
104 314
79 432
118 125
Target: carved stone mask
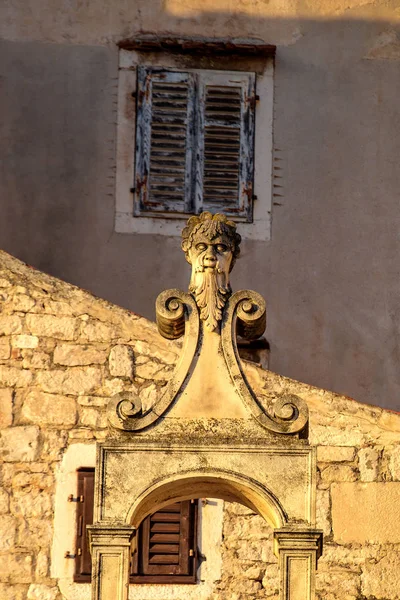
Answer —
211 245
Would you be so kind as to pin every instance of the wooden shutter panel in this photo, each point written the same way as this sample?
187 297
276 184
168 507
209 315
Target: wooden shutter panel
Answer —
165 131
166 550
166 545
84 516
224 178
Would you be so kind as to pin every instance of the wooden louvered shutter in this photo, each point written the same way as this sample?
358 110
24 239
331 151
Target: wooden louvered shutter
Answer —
165 132
166 546
224 178
84 515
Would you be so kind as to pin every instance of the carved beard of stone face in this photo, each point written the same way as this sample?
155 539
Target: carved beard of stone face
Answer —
211 261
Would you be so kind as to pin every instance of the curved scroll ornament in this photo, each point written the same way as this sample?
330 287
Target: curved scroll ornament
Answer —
177 314
245 314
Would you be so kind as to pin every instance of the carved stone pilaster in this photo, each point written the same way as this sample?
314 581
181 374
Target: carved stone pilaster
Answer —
298 552
110 547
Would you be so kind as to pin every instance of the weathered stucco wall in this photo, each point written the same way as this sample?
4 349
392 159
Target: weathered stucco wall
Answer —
63 353
329 272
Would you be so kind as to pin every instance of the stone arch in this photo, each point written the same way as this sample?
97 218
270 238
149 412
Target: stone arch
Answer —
225 485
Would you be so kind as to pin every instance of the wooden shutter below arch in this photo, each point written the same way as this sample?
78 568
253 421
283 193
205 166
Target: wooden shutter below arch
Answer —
167 540
166 545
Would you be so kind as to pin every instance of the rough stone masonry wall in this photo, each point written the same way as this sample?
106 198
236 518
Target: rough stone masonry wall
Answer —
63 353
358 504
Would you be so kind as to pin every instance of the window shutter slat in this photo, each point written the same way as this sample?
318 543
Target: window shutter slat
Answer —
224 171
165 128
83 561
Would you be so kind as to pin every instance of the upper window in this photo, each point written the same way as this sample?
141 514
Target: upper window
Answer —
194 133
194 142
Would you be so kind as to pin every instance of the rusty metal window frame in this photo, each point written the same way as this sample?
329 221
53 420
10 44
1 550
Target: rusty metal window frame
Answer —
178 178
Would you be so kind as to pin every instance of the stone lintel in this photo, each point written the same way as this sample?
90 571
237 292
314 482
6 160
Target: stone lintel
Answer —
196 45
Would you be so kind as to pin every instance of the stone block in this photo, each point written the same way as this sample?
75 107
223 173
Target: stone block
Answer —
121 361
249 550
10 324
22 302
20 444
271 580
96 332
62 328
49 409
394 463
81 434
113 386
5 348
29 479
35 532
42 565
36 360
335 453
73 355
6 407
90 417
54 443
52 307
32 502
167 356
75 381
152 370
93 401
13 592
7 532
368 464
323 511
254 572
335 557
337 584
40 591
4 501
267 552
16 568
381 578
11 376
24 341
334 473
234 508
148 396
366 512
251 528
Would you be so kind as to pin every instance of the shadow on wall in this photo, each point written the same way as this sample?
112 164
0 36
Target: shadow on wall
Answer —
329 273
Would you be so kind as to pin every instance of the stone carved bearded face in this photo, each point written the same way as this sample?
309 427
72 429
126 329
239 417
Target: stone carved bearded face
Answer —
211 245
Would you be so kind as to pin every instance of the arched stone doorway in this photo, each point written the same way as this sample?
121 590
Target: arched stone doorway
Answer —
208 434
297 543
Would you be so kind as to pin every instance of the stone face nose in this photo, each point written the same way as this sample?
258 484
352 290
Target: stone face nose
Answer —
210 259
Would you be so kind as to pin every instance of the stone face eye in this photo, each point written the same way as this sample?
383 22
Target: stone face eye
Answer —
221 248
201 247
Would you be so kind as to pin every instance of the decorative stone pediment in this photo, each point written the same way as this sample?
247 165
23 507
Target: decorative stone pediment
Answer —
209 381
207 434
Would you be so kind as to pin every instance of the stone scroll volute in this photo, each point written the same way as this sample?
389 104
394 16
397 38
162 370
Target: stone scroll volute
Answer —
210 317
